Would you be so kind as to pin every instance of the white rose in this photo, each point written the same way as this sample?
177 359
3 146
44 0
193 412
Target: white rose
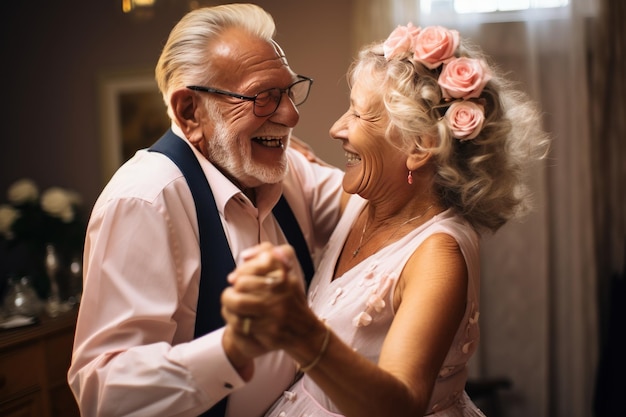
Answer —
58 203
8 215
23 191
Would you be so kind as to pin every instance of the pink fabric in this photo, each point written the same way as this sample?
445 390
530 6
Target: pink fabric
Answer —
352 307
133 353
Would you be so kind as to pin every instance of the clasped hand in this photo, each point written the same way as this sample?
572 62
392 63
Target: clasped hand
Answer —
266 292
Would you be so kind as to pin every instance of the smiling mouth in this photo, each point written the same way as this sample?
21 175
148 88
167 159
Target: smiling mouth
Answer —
269 141
352 158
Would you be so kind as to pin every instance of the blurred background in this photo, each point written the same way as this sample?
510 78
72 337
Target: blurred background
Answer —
80 98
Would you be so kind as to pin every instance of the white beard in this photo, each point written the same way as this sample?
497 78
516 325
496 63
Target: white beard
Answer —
233 155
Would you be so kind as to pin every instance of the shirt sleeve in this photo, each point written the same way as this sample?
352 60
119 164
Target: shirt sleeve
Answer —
137 316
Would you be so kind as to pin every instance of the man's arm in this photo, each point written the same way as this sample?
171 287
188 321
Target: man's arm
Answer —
133 353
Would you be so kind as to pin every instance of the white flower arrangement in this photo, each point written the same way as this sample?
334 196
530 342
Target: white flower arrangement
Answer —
31 223
49 217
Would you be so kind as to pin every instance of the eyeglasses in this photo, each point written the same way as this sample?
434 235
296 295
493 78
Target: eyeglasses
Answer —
267 101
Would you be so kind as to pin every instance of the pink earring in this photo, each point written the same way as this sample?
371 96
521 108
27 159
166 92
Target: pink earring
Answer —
409 179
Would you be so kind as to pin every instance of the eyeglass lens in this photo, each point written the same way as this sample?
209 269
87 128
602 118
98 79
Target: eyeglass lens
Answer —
267 102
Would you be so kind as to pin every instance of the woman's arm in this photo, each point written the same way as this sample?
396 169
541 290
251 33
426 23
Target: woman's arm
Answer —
430 302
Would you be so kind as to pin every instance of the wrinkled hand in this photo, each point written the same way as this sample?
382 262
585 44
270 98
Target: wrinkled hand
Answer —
265 289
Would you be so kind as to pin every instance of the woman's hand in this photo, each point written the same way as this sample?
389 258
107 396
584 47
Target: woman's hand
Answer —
265 307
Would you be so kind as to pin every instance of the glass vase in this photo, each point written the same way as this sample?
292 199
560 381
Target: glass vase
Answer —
21 298
54 303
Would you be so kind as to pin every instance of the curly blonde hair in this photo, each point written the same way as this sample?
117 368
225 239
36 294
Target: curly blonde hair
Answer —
482 179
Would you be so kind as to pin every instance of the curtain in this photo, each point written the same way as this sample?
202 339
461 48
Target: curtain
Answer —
371 21
607 69
540 277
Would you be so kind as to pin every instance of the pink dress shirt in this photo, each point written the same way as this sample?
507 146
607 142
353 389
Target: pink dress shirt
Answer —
134 352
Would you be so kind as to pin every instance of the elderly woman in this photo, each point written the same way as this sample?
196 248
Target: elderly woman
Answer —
436 144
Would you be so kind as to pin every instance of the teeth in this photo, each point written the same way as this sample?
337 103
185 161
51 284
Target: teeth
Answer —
352 157
270 142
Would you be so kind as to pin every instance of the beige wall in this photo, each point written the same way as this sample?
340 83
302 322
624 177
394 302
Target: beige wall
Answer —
316 38
56 53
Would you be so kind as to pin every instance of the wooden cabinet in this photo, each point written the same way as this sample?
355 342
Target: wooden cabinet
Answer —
33 369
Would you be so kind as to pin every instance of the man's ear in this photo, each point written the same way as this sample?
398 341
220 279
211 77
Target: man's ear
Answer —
184 106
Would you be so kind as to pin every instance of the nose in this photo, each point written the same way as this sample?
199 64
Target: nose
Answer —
339 129
286 113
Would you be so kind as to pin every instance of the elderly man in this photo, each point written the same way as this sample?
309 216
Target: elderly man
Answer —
174 219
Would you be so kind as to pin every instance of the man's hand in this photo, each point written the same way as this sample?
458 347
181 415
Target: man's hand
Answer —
257 285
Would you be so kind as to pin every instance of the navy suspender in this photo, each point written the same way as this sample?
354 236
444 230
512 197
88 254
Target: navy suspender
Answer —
291 229
215 255
216 259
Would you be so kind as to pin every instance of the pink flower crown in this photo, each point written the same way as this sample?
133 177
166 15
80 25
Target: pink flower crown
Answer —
461 79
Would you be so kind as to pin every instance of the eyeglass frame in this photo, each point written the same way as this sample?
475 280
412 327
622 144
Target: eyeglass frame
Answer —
301 78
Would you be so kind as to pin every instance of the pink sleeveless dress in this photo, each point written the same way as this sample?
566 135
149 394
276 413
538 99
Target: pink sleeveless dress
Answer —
358 308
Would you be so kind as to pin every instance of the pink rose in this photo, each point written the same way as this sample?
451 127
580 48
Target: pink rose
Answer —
400 41
465 119
435 45
464 78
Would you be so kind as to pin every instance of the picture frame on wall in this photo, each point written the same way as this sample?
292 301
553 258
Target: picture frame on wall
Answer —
133 116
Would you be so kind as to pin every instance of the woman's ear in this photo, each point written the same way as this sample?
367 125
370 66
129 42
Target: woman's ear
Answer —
418 157
184 106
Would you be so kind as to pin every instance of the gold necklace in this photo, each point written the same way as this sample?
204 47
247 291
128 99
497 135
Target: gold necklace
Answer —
361 243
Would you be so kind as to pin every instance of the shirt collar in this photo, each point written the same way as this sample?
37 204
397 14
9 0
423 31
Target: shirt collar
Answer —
224 190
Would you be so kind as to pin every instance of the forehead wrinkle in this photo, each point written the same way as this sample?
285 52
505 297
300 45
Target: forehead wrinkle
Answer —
250 62
272 66
240 58
279 52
